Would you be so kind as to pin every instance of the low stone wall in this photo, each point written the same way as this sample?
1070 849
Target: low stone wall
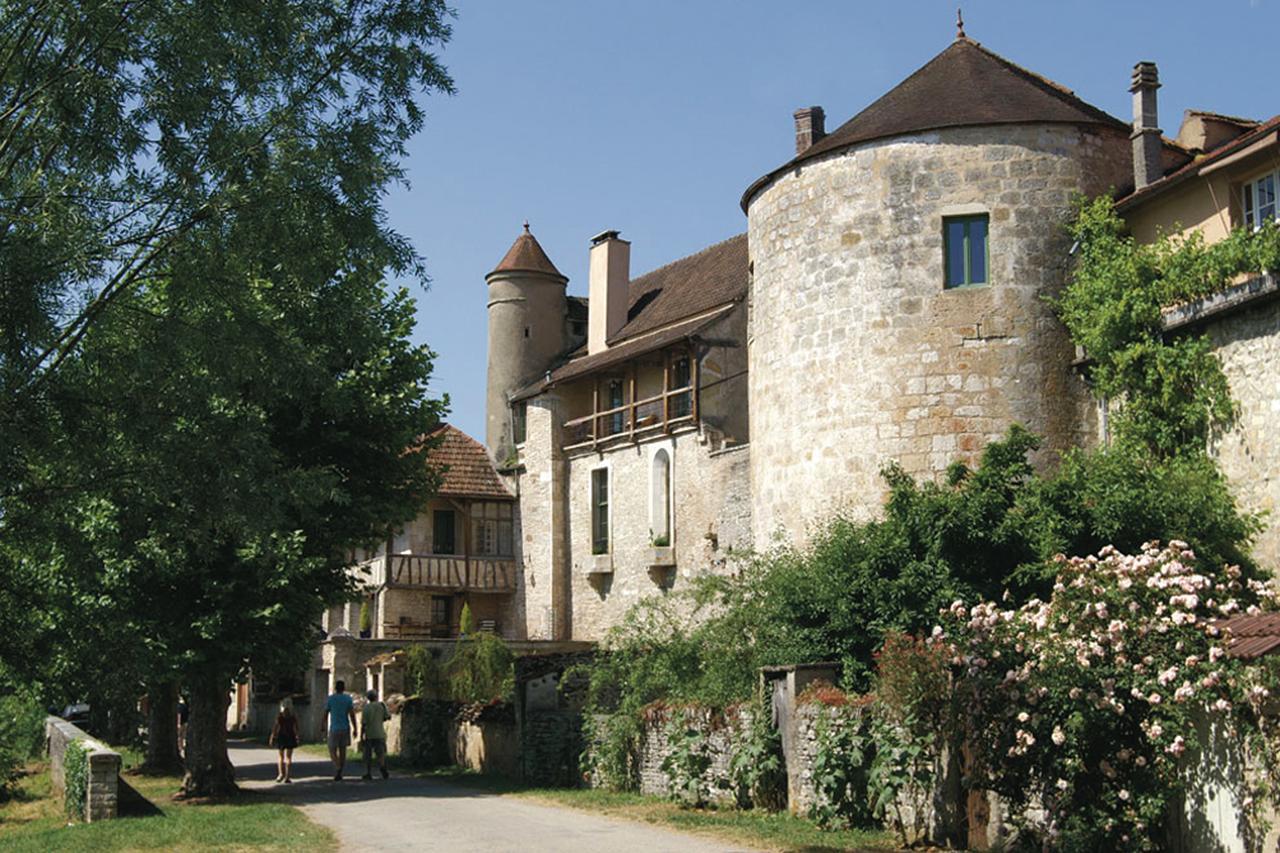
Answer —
102 799
551 746
719 734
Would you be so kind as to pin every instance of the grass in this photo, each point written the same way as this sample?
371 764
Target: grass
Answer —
34 820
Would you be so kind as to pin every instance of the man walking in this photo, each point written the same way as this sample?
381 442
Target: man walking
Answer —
373 737
340 719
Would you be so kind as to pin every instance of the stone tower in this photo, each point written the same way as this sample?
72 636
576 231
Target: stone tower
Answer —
527 329
901 269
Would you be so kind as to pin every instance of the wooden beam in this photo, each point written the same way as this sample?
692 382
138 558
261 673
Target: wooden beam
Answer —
666 391
693 382
632 400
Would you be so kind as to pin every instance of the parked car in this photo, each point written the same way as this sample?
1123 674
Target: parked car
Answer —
76 713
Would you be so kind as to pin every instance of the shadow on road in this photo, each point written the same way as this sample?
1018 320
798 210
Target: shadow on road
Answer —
313 779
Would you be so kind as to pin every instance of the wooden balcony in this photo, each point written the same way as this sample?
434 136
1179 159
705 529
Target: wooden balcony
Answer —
442 572
674 406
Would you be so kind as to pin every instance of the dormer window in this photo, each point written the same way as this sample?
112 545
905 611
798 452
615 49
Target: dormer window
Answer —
1259 199
965 249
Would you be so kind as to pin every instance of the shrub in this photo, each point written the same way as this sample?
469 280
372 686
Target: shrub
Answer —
843 753
21 735
757 772
688 756
1085 703
481 669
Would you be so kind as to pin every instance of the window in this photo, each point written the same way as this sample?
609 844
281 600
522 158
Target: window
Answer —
443 538
491 529
614 425
660 499
965 239
439 615
681 377
1259 201
600 511
519 422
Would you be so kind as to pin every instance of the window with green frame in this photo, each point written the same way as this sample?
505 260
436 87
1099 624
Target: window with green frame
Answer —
965 239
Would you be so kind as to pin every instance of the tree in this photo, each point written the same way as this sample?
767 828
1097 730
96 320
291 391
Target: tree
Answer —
226 412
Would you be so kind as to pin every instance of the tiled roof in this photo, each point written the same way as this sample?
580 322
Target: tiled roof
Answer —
621 352
526 255
667 305
964 85
1251 636
1190 170
468 471
687 287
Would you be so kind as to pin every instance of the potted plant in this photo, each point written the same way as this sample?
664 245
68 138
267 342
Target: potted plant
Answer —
366 621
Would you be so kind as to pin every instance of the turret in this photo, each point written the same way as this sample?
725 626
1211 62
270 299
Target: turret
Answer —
527 329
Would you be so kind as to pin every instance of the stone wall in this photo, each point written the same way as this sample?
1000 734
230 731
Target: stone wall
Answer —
1248 343
860 356
551 748
102 800
711 514
720 735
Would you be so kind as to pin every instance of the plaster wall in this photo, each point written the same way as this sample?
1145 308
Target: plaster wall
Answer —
858 355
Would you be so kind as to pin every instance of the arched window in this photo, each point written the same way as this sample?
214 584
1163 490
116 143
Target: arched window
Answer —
660 498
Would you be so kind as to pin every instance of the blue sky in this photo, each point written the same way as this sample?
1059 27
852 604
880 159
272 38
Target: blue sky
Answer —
653 117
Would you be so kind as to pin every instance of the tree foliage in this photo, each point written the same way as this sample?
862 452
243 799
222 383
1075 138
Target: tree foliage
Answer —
206 386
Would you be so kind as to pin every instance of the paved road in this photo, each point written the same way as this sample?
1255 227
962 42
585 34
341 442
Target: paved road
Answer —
427 814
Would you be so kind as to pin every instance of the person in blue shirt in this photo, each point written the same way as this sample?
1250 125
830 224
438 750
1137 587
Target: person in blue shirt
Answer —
340 720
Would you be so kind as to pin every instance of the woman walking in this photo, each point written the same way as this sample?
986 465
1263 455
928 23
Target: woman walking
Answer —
284 736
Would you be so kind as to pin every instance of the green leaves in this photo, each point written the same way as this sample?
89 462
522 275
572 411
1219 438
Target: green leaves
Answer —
1169 390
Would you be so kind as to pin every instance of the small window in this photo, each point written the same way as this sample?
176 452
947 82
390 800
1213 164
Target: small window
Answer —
443 539
660 500
681 377
965 239
440 626
519 422
600 511
492 529
1259 201
614 425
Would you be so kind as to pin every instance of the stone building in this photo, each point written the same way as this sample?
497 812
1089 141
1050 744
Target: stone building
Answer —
889 301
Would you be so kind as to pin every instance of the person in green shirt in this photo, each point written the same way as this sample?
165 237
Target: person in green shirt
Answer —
373 734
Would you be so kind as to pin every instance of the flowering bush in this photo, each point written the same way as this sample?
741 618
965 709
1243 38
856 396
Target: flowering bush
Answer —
1082 706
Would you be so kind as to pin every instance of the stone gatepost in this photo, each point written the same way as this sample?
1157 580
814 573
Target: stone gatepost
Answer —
783 685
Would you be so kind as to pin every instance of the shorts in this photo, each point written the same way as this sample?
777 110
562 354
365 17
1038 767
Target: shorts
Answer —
374 747
339 738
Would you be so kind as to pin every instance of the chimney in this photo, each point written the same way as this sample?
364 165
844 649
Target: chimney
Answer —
608 289
810 127
1147 146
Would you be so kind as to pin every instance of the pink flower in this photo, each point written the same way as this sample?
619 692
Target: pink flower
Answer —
1059 737
1176 748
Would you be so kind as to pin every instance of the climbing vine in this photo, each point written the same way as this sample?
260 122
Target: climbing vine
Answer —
1170 389
75 777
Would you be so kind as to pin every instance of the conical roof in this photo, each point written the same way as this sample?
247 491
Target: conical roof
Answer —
526 255
964 85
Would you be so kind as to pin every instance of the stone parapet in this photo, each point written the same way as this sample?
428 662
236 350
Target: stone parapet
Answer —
102 799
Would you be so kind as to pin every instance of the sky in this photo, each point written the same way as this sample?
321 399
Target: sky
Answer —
652 118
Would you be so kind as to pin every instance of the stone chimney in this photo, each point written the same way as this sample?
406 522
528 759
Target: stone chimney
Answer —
608 289
810 127
1147 147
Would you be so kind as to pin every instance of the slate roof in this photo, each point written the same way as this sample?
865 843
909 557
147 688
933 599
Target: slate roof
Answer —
964 85
1251 637
468 473
526 255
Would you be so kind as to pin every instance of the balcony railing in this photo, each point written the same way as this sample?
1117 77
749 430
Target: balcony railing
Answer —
445 572
633 420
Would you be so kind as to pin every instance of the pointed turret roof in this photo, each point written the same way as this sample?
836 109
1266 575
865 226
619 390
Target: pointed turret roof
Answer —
526 255
965 85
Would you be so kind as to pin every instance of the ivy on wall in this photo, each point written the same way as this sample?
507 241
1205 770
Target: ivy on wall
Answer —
75 774
1171 392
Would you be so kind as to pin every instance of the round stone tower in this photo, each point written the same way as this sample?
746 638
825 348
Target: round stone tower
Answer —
527 330
902 267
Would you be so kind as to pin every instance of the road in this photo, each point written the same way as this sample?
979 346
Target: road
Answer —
427 814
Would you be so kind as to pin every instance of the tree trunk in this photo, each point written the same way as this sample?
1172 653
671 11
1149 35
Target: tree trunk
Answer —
209 771
162 730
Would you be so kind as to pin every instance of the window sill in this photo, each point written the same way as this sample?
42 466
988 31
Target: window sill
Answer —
600 564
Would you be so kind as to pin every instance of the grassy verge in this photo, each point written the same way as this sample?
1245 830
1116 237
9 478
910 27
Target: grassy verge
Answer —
33 820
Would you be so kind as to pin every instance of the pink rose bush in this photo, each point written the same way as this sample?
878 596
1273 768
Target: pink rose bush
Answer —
1083 706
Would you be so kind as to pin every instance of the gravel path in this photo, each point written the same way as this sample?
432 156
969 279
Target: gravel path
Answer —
427 814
